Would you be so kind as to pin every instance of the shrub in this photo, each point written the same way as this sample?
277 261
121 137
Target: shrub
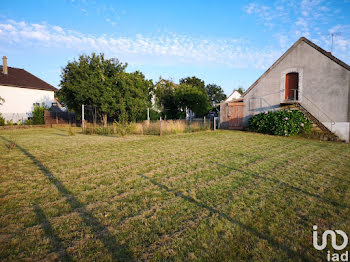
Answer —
124 128
28 122
38 114
281 122
2 120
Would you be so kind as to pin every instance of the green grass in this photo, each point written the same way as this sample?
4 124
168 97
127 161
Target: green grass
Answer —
219 196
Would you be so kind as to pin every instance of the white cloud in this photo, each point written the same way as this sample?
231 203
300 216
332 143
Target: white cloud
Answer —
84 11
168 48
304 18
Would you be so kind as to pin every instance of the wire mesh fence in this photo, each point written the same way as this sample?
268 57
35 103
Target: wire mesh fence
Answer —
93 122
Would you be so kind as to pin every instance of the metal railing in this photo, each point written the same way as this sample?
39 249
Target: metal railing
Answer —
312 108
317 112
292 95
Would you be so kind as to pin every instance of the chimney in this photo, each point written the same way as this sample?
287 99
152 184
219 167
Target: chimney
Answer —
4 65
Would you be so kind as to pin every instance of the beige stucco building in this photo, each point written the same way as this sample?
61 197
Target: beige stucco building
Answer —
306 76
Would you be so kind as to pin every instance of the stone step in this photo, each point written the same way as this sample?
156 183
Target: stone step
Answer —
326 134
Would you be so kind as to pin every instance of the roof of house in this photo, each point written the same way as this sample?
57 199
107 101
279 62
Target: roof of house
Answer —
234 91
21 78
307 41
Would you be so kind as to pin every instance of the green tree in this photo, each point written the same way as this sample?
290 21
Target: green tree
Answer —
240 90
191 97
38 114
132 96
174 99
166 100
195 82
89 80
215 93
103 83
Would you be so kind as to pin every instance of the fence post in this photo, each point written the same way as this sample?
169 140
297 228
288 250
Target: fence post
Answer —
160 126
82 118
214 119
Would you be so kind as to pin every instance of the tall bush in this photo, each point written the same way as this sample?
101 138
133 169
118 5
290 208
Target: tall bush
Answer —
281 123
38 114
2 120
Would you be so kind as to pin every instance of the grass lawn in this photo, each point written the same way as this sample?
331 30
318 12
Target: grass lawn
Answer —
224 195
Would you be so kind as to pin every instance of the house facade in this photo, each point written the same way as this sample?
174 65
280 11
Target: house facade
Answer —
309 78
21 92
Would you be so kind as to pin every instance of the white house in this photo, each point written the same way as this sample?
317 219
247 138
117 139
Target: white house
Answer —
21 91
234 95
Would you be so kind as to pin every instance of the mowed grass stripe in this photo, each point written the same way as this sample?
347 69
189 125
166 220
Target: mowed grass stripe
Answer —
190 209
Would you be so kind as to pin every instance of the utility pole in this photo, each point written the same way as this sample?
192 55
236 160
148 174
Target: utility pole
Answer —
148 114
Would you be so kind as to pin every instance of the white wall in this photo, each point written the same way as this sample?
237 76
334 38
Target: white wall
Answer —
324 88
341 129
234 95
19 102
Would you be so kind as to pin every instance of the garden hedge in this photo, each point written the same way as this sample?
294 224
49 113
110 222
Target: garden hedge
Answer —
280 122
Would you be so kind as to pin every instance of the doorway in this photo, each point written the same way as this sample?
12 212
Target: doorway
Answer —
292 87
236 115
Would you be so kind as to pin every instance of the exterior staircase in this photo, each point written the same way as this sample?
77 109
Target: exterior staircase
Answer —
328 134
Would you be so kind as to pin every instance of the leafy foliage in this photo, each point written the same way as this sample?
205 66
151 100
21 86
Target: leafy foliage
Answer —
28 122
195 82
153 114
38 114
240 90
132 96
192 98
215 94
103 83
174 99
281 122
2 120
166 99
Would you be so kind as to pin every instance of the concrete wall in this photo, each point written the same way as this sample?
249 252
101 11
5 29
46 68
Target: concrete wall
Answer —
323 88
19 101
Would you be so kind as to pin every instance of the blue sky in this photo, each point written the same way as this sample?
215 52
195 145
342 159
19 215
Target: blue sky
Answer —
230 43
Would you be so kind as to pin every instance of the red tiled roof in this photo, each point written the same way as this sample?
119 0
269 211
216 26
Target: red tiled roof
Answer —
21 78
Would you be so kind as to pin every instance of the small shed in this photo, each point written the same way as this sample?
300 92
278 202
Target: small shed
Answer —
231 114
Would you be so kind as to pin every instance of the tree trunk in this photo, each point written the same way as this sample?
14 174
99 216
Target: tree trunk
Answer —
104 120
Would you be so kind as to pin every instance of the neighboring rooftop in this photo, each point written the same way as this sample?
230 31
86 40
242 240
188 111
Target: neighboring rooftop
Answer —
10 76
233 96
